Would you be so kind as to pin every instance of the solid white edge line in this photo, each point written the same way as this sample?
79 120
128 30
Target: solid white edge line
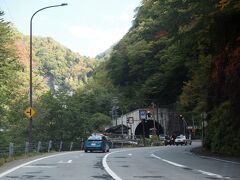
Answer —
27 163
183 166
107 168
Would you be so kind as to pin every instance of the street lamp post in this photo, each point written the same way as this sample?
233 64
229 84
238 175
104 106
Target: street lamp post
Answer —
30 66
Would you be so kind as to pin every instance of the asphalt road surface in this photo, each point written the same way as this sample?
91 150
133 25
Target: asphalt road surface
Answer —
150 163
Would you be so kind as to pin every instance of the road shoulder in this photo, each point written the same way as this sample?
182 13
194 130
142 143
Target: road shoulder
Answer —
201 152
14 163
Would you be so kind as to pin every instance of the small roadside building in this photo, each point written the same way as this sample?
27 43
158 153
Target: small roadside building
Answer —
119 129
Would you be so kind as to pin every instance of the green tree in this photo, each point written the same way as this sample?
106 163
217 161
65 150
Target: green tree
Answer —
9 68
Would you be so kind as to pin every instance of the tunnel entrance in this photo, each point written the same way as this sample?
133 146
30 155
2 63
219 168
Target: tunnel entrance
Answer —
148 125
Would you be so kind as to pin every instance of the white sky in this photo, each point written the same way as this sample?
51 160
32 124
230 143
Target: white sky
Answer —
85 26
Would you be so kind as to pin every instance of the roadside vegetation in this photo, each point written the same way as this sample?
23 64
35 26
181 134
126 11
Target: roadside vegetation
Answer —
185 53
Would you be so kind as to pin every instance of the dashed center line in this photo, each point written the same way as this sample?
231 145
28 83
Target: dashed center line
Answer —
169 162
30 162
39 166
183 166
65 162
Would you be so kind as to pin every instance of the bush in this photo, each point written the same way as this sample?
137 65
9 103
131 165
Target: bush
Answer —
221 135
2 161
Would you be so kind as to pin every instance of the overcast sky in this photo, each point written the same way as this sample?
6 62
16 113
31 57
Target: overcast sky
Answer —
85 26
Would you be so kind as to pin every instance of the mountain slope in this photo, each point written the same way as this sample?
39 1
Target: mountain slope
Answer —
62 68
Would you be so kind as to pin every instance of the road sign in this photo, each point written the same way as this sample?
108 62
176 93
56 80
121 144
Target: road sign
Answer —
130 120
142 114
29 112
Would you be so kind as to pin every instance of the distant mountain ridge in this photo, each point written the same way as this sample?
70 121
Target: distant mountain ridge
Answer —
104 56
63 68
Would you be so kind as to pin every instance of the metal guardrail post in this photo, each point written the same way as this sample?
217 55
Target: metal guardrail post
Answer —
39 146
11 149
82 144
71 146
49 145
26 148
60 147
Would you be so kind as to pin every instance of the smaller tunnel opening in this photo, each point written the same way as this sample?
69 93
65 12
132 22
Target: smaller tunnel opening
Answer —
148 125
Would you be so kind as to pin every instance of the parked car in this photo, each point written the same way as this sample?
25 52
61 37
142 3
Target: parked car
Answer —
162 137
182 140
97 142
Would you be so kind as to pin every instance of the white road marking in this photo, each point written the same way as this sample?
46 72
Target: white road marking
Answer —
210 174
169 162
183 166
107 168
130 154
39 166
27 163
64 162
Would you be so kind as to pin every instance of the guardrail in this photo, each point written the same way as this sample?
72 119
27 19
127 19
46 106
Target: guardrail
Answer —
11 150
119 140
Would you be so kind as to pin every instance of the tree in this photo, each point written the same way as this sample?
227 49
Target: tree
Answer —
9 68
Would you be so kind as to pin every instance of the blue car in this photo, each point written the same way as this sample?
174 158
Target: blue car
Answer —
96 143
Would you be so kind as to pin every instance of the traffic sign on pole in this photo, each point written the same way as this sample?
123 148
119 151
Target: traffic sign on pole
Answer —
142 114
29 112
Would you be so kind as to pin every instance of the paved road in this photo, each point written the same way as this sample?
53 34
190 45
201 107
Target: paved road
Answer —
151 163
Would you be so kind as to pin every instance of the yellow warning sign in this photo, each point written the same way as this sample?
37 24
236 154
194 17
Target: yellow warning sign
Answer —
29 112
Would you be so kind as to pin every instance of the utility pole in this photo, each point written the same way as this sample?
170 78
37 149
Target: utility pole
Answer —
143 132
143 117
122 125
154 123
115 102
204 116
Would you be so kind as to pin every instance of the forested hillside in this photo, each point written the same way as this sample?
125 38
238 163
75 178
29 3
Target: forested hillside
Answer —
62 68
64 92
185 52
105 55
